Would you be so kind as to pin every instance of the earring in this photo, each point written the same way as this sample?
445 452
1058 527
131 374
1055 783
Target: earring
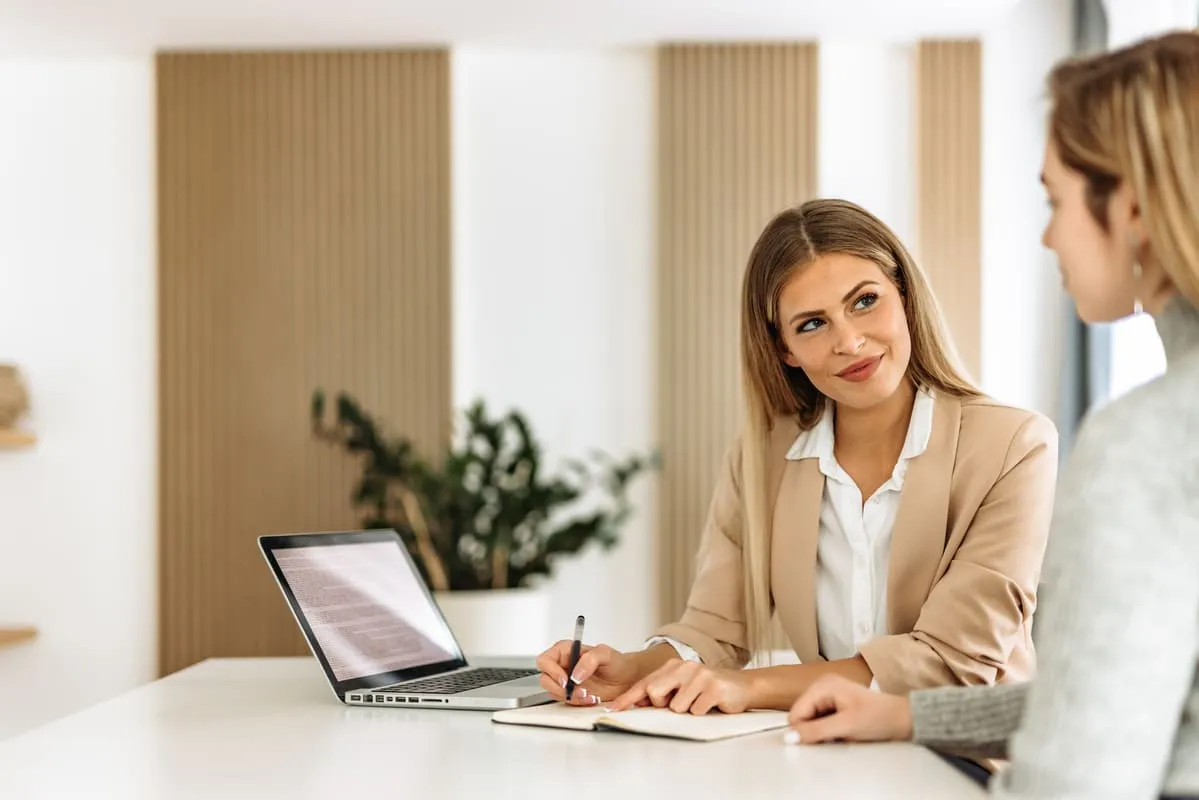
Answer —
1136 276
1136 287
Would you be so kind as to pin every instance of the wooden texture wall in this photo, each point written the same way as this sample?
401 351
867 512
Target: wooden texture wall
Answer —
737 144
949 185
304 204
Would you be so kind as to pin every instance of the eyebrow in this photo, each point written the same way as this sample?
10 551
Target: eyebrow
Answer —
805 314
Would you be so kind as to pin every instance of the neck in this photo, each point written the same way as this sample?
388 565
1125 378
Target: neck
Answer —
1177 324
885 424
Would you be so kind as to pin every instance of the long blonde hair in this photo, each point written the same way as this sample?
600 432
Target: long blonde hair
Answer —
773 390
1132 115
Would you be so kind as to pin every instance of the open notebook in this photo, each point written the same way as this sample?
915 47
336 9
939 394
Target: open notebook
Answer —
645 720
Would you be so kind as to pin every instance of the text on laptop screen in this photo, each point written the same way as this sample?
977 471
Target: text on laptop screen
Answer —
366 607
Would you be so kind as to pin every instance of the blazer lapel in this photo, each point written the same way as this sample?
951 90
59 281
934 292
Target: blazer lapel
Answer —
794 535
918 537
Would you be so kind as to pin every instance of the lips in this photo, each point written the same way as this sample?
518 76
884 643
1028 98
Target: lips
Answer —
860 370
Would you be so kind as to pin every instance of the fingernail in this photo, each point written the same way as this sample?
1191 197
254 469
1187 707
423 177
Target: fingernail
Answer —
594 700
582 692
576 676
562 682
791 737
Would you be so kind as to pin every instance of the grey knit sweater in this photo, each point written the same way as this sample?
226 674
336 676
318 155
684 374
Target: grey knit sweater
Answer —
1114 709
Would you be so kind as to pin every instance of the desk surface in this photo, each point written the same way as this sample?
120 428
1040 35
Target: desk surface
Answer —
259 728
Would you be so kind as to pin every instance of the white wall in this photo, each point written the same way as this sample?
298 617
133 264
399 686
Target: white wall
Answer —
77 306
866 140
554 273
1023 308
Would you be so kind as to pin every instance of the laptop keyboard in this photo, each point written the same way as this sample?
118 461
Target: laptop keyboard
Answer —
460 681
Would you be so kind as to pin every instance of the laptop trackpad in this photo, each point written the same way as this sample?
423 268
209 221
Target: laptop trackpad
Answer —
521 687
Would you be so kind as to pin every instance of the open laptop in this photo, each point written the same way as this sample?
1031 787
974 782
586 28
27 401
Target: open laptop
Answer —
374 627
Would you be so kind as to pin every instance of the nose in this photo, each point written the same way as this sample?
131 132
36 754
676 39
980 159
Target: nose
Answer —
848 341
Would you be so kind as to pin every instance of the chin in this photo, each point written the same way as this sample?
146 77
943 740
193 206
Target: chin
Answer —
870 394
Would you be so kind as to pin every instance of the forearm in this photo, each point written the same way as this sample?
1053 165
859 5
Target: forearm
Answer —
651 658
779 687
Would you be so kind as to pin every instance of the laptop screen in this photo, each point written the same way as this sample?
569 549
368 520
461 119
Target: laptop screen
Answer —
366 606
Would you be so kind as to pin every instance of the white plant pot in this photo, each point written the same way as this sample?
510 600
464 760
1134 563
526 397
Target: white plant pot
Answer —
499 622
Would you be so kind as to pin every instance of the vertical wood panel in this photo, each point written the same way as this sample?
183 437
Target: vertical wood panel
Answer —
737 144
949 185
304 224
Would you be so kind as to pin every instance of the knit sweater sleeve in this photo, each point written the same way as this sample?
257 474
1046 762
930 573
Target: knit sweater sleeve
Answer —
970 720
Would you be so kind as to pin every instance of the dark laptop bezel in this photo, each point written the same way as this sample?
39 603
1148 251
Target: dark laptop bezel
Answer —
270 544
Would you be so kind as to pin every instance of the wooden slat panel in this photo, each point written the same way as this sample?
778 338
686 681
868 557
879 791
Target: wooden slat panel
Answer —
304 241
949 185
737 144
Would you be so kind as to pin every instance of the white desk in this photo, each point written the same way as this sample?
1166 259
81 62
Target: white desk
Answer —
265 728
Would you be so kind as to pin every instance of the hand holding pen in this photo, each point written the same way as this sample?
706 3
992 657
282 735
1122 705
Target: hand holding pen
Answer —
583 675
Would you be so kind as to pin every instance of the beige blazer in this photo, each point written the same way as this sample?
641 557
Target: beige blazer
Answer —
966 553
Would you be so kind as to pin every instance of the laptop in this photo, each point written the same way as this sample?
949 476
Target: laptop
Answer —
370 620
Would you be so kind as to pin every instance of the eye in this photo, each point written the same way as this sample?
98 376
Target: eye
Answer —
809 325
865 301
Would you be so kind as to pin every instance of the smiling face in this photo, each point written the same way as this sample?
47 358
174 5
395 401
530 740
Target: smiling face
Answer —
842 322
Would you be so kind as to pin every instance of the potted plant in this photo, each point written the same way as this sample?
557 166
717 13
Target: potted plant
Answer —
484 524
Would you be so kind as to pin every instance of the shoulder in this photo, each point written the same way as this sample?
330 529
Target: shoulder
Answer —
1143 429
783 432
1163 407
1004 431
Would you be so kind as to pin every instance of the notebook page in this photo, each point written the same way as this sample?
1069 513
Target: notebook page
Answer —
553 715
708 728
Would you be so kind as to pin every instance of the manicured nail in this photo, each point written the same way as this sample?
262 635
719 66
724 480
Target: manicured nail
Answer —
594 700
576 676
791 737
562 682
582 693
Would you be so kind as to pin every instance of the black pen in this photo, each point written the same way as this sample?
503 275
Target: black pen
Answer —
574 656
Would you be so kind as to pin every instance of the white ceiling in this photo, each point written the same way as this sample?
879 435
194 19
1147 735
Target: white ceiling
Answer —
142 26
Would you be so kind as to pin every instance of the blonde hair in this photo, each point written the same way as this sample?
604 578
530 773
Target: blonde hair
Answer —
771 389
1133 115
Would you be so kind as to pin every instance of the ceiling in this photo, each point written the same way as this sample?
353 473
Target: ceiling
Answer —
90 27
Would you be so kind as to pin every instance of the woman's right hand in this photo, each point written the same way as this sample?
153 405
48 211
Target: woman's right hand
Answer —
601 674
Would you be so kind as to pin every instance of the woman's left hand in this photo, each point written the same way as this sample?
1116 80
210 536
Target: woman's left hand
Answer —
688 687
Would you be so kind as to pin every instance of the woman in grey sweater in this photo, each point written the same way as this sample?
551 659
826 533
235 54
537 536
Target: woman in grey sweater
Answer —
1114 708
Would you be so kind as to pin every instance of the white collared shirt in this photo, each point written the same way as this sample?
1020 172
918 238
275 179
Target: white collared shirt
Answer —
854 545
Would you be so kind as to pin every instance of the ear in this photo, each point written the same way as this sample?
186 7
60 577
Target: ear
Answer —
1124 213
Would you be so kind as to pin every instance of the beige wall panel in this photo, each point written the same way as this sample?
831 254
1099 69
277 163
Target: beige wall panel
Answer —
949 185
304 203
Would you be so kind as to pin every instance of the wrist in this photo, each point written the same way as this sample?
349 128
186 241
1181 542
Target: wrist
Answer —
903 719
775 687
647 660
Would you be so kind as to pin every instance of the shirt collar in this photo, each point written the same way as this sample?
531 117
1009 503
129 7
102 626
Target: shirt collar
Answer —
818 442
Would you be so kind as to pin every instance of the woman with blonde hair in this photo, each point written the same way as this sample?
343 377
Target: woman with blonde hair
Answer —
892 516
1114 709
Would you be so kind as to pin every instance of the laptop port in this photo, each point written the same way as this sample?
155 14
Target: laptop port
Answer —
430 700
355 697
